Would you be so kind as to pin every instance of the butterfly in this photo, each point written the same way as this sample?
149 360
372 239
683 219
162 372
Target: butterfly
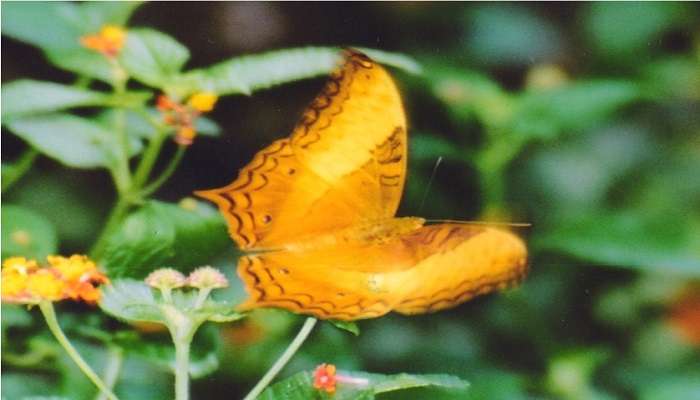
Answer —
315 214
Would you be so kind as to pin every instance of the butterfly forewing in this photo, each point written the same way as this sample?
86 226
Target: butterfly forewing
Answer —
344 164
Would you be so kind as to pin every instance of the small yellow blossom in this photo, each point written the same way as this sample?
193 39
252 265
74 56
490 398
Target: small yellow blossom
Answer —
185 135
13 284
109 41
203 101
19 264
46 285
166 279
207 278
74 268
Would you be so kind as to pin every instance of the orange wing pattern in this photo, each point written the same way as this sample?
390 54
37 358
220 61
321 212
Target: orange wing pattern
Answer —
318 209
432 268
344 164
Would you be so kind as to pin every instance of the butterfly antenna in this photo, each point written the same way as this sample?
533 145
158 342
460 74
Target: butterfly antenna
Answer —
430 183
487 223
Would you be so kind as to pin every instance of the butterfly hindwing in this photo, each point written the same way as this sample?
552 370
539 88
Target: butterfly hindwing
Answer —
429 269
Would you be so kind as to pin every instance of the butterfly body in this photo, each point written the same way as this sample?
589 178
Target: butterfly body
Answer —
316 210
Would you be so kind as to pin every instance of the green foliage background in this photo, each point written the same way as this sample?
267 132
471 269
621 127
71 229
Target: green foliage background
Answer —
580 119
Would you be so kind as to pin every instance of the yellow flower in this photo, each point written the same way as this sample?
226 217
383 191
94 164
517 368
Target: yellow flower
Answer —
185 135
73 268
13 285
46 285
203 101
109 41
74 277
19 264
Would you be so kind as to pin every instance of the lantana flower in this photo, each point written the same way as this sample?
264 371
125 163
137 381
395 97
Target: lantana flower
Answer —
326 378
109 40
74 277
182 117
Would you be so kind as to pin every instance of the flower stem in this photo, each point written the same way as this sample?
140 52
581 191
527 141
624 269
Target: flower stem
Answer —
114 366
167 172
182 369
284 358
47 310
25 162
148 160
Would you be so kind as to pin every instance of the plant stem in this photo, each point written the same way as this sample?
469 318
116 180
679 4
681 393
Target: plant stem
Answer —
284 358
25 162
47 310
148 160
167 172
112 369
113 220
182 369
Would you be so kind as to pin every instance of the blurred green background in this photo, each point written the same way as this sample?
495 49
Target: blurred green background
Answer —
580 119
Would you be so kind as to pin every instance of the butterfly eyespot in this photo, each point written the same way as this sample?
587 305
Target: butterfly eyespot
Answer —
291 171
267 219
284 271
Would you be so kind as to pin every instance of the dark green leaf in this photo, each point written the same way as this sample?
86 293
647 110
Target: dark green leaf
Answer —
347 326
153 57
430 147
161 234
83 62
26 233
74 141
573 107
631 238
28 96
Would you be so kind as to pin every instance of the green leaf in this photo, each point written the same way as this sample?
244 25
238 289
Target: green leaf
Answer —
153 57
130 300
573 107
50 25
430 147
26 233
56 28
630 238
243 75
83 62
300 385
74 141
161 234
346 326
29 96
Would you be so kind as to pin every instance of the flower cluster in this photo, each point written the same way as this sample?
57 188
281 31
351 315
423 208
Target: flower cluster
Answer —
183 116
74 277
326 378
108 41
201 278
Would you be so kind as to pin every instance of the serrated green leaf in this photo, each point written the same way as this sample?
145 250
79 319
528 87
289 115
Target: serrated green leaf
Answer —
153 57
161 234
243 75
347 326
300 386
74 141
130 300
29 96
26 233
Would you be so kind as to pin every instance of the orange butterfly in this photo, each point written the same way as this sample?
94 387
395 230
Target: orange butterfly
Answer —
316 210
